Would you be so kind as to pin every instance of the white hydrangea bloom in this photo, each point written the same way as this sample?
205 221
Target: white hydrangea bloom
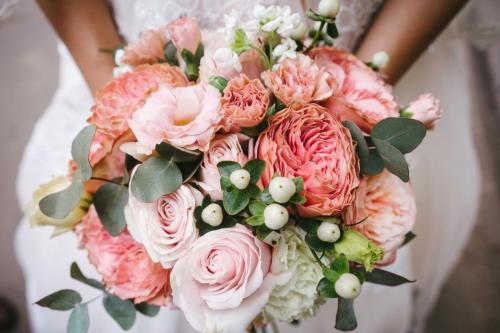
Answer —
298 274
287 49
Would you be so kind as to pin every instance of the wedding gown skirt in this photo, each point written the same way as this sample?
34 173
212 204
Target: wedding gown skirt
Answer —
444 173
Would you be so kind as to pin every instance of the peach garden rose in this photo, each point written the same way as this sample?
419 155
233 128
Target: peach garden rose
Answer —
225 282
310 142
360 94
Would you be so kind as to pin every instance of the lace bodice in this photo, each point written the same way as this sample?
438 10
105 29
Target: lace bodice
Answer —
134 16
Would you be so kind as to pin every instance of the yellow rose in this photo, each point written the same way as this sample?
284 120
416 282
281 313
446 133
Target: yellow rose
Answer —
37 218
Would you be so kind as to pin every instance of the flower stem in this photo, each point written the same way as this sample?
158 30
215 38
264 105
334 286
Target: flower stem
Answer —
94 299
316 37
316 257
265 58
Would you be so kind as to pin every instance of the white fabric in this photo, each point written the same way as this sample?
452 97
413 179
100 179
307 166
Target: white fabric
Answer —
445 196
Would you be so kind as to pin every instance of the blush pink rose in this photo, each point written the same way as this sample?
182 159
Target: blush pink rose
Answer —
360 94
311 143
225 282
426 109
165 227
148 49
117 101
298 81
186 117
184 33
222 148
244 103
125 266
389 206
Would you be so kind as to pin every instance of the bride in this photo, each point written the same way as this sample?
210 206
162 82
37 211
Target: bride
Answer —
402 28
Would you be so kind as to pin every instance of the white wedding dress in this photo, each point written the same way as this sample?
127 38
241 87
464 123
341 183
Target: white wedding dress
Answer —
444 174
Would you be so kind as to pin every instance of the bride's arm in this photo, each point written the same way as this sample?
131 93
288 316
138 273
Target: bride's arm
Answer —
85 26
404 29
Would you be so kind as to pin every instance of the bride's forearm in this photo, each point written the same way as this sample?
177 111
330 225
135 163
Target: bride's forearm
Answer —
85 26
404 29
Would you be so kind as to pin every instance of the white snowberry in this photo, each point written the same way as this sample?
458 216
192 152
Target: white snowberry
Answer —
212 215
348 286
329 8
240 178
282 189
380 59
328 232
275 216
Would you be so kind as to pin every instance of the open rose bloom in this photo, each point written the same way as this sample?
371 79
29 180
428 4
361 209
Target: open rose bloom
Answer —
219 166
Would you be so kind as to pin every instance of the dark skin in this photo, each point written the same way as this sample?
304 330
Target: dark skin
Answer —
82 24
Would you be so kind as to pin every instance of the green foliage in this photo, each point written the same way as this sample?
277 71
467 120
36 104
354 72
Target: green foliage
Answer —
331 30
310 226
148 310
409 237
122 311
240 43
403 133
109 201
227 167
227 221
317 17
374 165
77 274
393 159
346 318
340 264
59 205
79 319
361 147
255 168
192 61
331 274
386 278
262 232
170 53
235 200
62 300
326 288
218 82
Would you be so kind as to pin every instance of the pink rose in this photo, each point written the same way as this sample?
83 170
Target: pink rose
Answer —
298 81
148 49
117 101
225 282
186 117
311 143
222 148
389 206
165 227
244 103
426 108
360 94
185 33
123 263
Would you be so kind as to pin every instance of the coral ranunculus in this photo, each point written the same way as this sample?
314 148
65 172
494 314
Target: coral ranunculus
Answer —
244 103
225 282
123 263
186 117
311 143
360 94
388 204
117 101
298 81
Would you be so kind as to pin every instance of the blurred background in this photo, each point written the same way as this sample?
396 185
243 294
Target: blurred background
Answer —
470 300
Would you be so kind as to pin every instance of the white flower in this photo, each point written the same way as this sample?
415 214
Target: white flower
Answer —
275 18
225 57
380 59
118 56
119 70
232 22
298 275
287 49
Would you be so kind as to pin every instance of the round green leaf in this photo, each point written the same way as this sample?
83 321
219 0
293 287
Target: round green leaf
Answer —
79 319
80 149
77 274
340 264
170 53
58 205
374 165
403 133
257 208
362 147
326 288
146 309
235 201
331 274
61 300
255 168
227 167
394 160
332 31
155 178
109 201
123 312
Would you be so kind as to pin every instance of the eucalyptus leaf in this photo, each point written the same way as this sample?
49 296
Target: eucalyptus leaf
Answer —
394 160
123 312
188 169
155 178
346 318
403 133
109 201
146 309
255 168
61 300
77 274
178 155
374 165
58 205
80 149
235 201
170 53
386 278
326 288
361 147
79 321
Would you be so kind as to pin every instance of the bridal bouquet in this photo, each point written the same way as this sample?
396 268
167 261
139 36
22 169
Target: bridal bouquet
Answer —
244 176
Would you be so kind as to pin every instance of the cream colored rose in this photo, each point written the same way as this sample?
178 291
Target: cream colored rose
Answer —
37 218
298 274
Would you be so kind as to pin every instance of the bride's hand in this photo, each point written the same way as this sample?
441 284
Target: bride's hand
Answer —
85 26
404 29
